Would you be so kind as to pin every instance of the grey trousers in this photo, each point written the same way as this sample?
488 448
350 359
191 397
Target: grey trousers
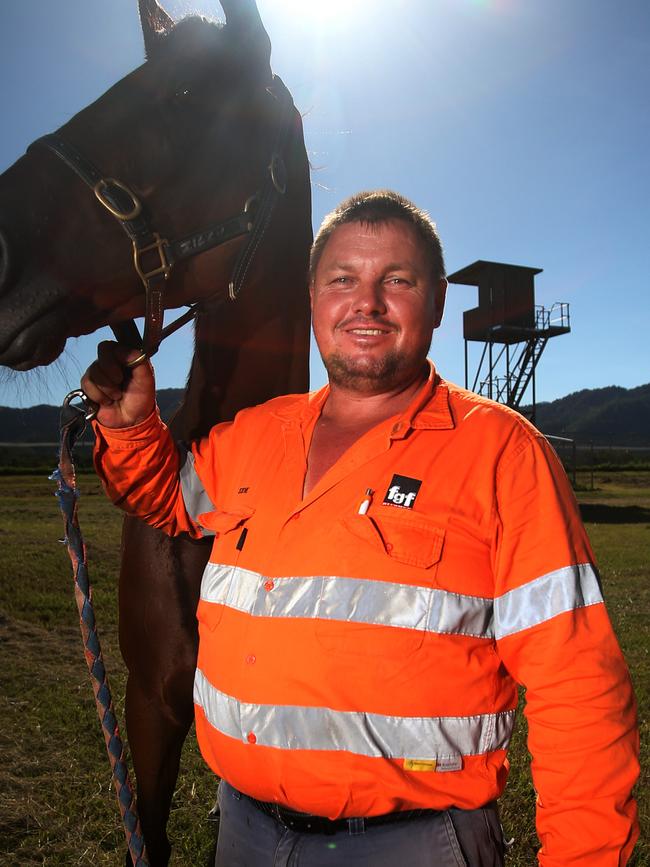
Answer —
455 838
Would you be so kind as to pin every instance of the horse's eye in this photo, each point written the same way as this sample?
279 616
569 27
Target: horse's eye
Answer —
182 94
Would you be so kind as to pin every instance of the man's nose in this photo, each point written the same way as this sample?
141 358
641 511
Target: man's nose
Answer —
369 298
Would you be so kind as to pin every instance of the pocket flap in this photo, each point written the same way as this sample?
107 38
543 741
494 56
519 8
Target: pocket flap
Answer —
224 522
208 614
408 537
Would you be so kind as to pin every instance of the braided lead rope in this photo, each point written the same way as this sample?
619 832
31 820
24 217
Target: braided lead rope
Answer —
73 422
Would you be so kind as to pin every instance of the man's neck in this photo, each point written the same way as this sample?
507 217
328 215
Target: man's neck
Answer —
346 416
348 408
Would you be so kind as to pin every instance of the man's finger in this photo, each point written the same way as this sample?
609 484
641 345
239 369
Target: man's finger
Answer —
100 385
113 358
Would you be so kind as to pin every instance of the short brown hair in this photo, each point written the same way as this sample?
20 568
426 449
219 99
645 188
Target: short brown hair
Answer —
376 207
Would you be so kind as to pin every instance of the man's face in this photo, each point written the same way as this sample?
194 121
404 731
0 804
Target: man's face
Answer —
375 304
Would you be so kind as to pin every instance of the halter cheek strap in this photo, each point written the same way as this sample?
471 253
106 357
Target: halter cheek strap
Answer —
154 256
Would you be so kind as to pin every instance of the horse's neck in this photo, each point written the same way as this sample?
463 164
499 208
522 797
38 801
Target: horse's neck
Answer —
232 369
257 347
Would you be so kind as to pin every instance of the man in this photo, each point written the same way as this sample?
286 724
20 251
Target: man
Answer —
392 555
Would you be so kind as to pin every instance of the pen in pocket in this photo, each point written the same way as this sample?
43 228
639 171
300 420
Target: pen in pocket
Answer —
365 503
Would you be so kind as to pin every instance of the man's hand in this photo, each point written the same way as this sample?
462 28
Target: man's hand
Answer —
125 395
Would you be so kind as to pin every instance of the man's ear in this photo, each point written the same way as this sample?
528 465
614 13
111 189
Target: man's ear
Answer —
440 296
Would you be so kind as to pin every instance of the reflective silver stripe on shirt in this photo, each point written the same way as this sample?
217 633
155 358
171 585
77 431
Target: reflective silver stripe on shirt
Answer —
539 600
358 600
195 496
292 727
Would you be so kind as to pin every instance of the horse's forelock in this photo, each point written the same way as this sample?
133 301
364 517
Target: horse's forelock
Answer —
189 28
193 22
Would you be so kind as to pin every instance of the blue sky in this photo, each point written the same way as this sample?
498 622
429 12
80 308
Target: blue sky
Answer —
522 126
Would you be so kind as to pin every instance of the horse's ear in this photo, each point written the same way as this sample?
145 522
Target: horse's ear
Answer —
155 22
243 16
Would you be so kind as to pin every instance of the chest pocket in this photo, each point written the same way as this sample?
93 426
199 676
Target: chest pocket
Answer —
219 573
404 536
399 598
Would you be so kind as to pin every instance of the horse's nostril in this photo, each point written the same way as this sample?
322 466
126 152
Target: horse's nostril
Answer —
4 259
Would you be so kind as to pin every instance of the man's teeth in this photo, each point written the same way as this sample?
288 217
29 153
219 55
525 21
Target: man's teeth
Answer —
367 331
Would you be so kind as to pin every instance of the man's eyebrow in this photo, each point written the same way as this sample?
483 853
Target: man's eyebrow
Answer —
339 266
401 266
405 265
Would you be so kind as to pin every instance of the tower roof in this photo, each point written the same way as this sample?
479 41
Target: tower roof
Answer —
474 274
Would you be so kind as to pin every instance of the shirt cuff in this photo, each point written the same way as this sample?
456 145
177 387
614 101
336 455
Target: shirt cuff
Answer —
142 433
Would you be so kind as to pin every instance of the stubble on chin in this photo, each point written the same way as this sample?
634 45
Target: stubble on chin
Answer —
363 375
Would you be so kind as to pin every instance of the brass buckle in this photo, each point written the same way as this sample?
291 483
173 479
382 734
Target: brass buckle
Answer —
125 216
164 267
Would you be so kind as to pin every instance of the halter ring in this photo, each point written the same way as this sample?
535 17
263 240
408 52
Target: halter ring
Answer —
125 216
278 172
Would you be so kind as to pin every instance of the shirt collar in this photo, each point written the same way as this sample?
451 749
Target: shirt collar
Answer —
429 409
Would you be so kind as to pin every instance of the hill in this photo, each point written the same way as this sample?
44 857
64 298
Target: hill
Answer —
40 424
606 416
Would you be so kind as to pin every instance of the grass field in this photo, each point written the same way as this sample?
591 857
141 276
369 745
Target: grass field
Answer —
56 801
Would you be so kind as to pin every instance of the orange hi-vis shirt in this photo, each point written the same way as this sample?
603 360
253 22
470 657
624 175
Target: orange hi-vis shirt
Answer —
360 653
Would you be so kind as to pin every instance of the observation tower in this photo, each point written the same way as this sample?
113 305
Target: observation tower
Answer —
512 329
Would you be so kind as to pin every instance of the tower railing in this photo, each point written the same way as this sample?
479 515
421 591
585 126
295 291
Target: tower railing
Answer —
555 316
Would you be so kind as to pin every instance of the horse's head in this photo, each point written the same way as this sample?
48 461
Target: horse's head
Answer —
190 135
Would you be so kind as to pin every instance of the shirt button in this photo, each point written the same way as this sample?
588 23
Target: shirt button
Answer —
251 659
295 517
389 547
397 427
269 585
250 737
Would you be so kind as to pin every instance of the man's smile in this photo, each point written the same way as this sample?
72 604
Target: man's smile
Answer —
364 331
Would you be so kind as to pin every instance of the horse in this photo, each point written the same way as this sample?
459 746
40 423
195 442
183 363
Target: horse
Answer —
203 142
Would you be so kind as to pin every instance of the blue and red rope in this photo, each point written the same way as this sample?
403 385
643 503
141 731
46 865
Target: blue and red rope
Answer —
73 422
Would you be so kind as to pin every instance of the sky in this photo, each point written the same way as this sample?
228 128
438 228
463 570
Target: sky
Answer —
521 126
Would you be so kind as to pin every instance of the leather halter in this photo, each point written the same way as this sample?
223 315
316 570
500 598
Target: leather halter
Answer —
154 256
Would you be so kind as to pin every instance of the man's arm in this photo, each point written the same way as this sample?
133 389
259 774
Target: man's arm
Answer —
135 456
555 638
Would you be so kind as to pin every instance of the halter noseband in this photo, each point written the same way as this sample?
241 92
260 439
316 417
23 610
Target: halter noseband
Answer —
154 256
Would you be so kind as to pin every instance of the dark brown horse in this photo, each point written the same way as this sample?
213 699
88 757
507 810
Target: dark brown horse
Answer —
190 133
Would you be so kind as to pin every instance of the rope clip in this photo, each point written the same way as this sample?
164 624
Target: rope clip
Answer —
88 408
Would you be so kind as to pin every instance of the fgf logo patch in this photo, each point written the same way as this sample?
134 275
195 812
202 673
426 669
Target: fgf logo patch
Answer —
402 492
